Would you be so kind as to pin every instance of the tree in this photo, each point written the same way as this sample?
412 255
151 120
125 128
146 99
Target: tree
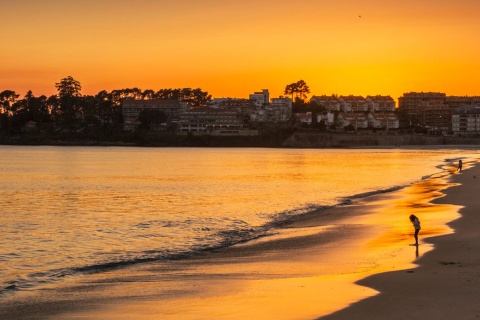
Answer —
7 99
70 101
151 119
30 108
297 90
196 97
68 87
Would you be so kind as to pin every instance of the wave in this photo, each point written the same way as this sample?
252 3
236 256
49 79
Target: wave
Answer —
228 237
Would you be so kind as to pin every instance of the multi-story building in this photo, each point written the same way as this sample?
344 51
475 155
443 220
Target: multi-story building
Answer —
345 103
260 98
357 119
437 118
460 101
466 120
386 120
280 109
413 103
330 103
131 110
242 106
380 103
354 103
213 122
392 120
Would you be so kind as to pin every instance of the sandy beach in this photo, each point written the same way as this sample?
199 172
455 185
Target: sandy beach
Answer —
446 285
351 262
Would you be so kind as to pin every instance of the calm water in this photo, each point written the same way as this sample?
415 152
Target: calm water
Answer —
68 210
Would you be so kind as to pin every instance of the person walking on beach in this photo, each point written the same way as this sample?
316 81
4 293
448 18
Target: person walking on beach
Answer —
416 224
459 165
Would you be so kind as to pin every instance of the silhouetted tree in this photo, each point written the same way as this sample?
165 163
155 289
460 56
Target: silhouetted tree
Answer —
30 108
69 101
297 90
7 100
196 97
151 119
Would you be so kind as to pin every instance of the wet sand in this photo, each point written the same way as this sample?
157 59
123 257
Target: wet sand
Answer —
358 255
446 285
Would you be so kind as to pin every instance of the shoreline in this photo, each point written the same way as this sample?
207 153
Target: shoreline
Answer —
445 285
286 139
313 258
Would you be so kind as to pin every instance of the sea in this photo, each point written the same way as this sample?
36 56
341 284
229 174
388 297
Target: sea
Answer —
66 211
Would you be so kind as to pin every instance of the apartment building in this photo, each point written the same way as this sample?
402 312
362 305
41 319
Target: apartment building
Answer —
437 118
380 103
466 120
131 110
330 103
260 98
413 103
353 103
357 119
213 122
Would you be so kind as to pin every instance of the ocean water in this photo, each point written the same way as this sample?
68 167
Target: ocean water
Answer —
72 210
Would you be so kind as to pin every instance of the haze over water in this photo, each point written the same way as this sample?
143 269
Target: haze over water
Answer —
68 210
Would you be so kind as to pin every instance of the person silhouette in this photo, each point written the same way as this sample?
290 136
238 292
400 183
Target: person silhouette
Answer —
416 224
460 164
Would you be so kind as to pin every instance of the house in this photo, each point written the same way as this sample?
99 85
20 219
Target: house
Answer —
355 103
386 120
392 120
376 120
304 118
330 103
380 103
328 117
356 119
345 103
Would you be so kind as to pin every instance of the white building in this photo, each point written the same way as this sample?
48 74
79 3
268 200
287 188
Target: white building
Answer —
466 120
387 120
304 118
260 98
212 122
328 117
380 103
356 119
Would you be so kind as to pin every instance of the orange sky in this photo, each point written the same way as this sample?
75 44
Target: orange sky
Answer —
232 48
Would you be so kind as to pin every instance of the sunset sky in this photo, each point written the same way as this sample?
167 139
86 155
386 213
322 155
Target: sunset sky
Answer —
231 48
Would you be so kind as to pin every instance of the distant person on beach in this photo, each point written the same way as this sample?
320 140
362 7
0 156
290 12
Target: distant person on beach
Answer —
416 224
459 165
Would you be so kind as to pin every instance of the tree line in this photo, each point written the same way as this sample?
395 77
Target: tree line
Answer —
69 114
70 111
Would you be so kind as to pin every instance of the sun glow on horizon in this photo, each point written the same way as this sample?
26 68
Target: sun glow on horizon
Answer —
232 49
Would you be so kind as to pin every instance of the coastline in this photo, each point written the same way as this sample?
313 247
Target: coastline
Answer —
446 283
281 139
306 270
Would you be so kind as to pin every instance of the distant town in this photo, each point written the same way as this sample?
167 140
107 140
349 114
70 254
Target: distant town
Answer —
133 115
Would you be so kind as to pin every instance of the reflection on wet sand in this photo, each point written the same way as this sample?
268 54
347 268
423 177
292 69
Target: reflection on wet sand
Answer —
306 270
